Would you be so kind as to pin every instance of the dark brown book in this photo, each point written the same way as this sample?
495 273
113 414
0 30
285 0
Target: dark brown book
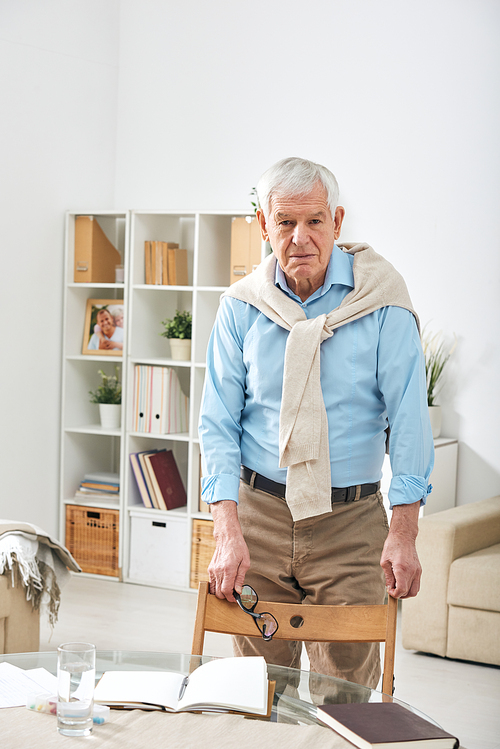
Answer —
384 725
166 480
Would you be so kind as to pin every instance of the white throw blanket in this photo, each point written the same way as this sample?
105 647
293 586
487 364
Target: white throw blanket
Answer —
303 438
36 560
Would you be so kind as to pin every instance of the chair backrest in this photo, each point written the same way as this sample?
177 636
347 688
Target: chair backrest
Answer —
375 623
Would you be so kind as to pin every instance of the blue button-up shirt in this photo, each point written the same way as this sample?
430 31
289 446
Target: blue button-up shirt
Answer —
372 376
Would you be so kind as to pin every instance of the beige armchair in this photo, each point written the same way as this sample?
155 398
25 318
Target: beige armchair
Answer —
457 612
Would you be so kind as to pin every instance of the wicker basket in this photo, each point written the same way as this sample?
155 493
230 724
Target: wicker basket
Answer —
92 537
202 549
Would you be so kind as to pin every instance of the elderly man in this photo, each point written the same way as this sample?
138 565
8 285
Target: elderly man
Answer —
312 357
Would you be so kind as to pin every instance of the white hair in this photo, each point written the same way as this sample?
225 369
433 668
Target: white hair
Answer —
115 309
294 176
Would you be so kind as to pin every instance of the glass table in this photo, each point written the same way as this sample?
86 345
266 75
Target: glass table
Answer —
297 693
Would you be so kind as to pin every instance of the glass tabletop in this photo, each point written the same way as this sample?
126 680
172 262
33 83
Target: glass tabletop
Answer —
297 693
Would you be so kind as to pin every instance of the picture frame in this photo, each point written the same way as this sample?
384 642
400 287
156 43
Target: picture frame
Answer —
104 334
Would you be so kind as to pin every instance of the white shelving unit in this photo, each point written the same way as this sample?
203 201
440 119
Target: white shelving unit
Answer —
85 445
155 546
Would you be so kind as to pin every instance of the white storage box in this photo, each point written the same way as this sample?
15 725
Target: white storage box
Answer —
158 549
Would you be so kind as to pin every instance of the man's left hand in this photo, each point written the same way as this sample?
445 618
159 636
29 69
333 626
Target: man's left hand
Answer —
399 557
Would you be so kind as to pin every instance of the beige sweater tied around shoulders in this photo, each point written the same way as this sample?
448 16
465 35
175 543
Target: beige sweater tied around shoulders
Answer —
303 437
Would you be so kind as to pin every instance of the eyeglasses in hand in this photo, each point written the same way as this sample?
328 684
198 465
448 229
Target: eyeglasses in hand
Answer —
265 622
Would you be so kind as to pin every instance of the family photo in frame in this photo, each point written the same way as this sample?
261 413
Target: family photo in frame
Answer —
104 331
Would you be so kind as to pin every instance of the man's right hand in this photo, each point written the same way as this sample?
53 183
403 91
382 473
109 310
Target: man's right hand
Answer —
231 558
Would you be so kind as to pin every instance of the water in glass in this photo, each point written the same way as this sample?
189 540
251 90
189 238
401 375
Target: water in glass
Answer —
76 681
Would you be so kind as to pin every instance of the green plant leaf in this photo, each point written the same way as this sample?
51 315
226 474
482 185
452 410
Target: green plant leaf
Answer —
180 326
110 391
436 355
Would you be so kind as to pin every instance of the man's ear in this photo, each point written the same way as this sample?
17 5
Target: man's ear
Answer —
337 222
262 223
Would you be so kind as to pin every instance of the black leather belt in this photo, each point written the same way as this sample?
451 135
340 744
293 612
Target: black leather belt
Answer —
348 494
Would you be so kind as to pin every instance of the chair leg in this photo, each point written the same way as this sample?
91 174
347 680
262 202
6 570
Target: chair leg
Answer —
390 646
199 624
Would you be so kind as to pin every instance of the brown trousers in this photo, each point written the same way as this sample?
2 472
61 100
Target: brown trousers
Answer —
329 559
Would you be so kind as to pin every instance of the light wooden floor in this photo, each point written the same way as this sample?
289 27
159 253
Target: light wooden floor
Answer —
464 698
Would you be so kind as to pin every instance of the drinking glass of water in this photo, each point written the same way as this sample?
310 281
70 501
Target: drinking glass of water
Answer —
75 688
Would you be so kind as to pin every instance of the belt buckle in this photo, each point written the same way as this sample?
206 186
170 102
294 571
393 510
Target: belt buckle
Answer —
350 494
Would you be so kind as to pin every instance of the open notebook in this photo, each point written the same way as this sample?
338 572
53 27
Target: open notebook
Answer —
226 684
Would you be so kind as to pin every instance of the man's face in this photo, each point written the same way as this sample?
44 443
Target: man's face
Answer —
302 231
106 323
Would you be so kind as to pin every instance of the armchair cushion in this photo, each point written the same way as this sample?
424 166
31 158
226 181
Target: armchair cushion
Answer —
475 580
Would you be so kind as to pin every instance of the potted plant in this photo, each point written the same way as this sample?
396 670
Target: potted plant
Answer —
109 397
436 355
178 331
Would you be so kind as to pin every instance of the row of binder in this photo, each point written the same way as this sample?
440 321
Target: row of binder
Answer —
160 406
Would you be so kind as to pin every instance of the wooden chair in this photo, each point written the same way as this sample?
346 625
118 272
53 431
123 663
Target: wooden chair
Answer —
375 623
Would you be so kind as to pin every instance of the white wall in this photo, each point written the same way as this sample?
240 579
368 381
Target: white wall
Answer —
399 99
58 77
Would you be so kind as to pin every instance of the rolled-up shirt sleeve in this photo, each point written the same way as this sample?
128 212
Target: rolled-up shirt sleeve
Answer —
402 382
222 402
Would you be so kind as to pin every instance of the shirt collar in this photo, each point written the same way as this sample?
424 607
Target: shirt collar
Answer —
339 271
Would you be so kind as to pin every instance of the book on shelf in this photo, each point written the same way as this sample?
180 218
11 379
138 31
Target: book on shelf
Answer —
100 483
111 489
164 263
384 725
89 496
160 406
158 253
156 262
103 477
166 480
177 267
222 685
147 478
139 478
95 256
147 262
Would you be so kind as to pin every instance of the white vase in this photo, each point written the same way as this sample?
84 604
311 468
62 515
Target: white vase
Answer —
180 348
435 417
111 415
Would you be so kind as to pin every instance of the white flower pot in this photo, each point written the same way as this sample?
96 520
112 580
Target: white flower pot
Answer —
111 415
180 348
435 417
